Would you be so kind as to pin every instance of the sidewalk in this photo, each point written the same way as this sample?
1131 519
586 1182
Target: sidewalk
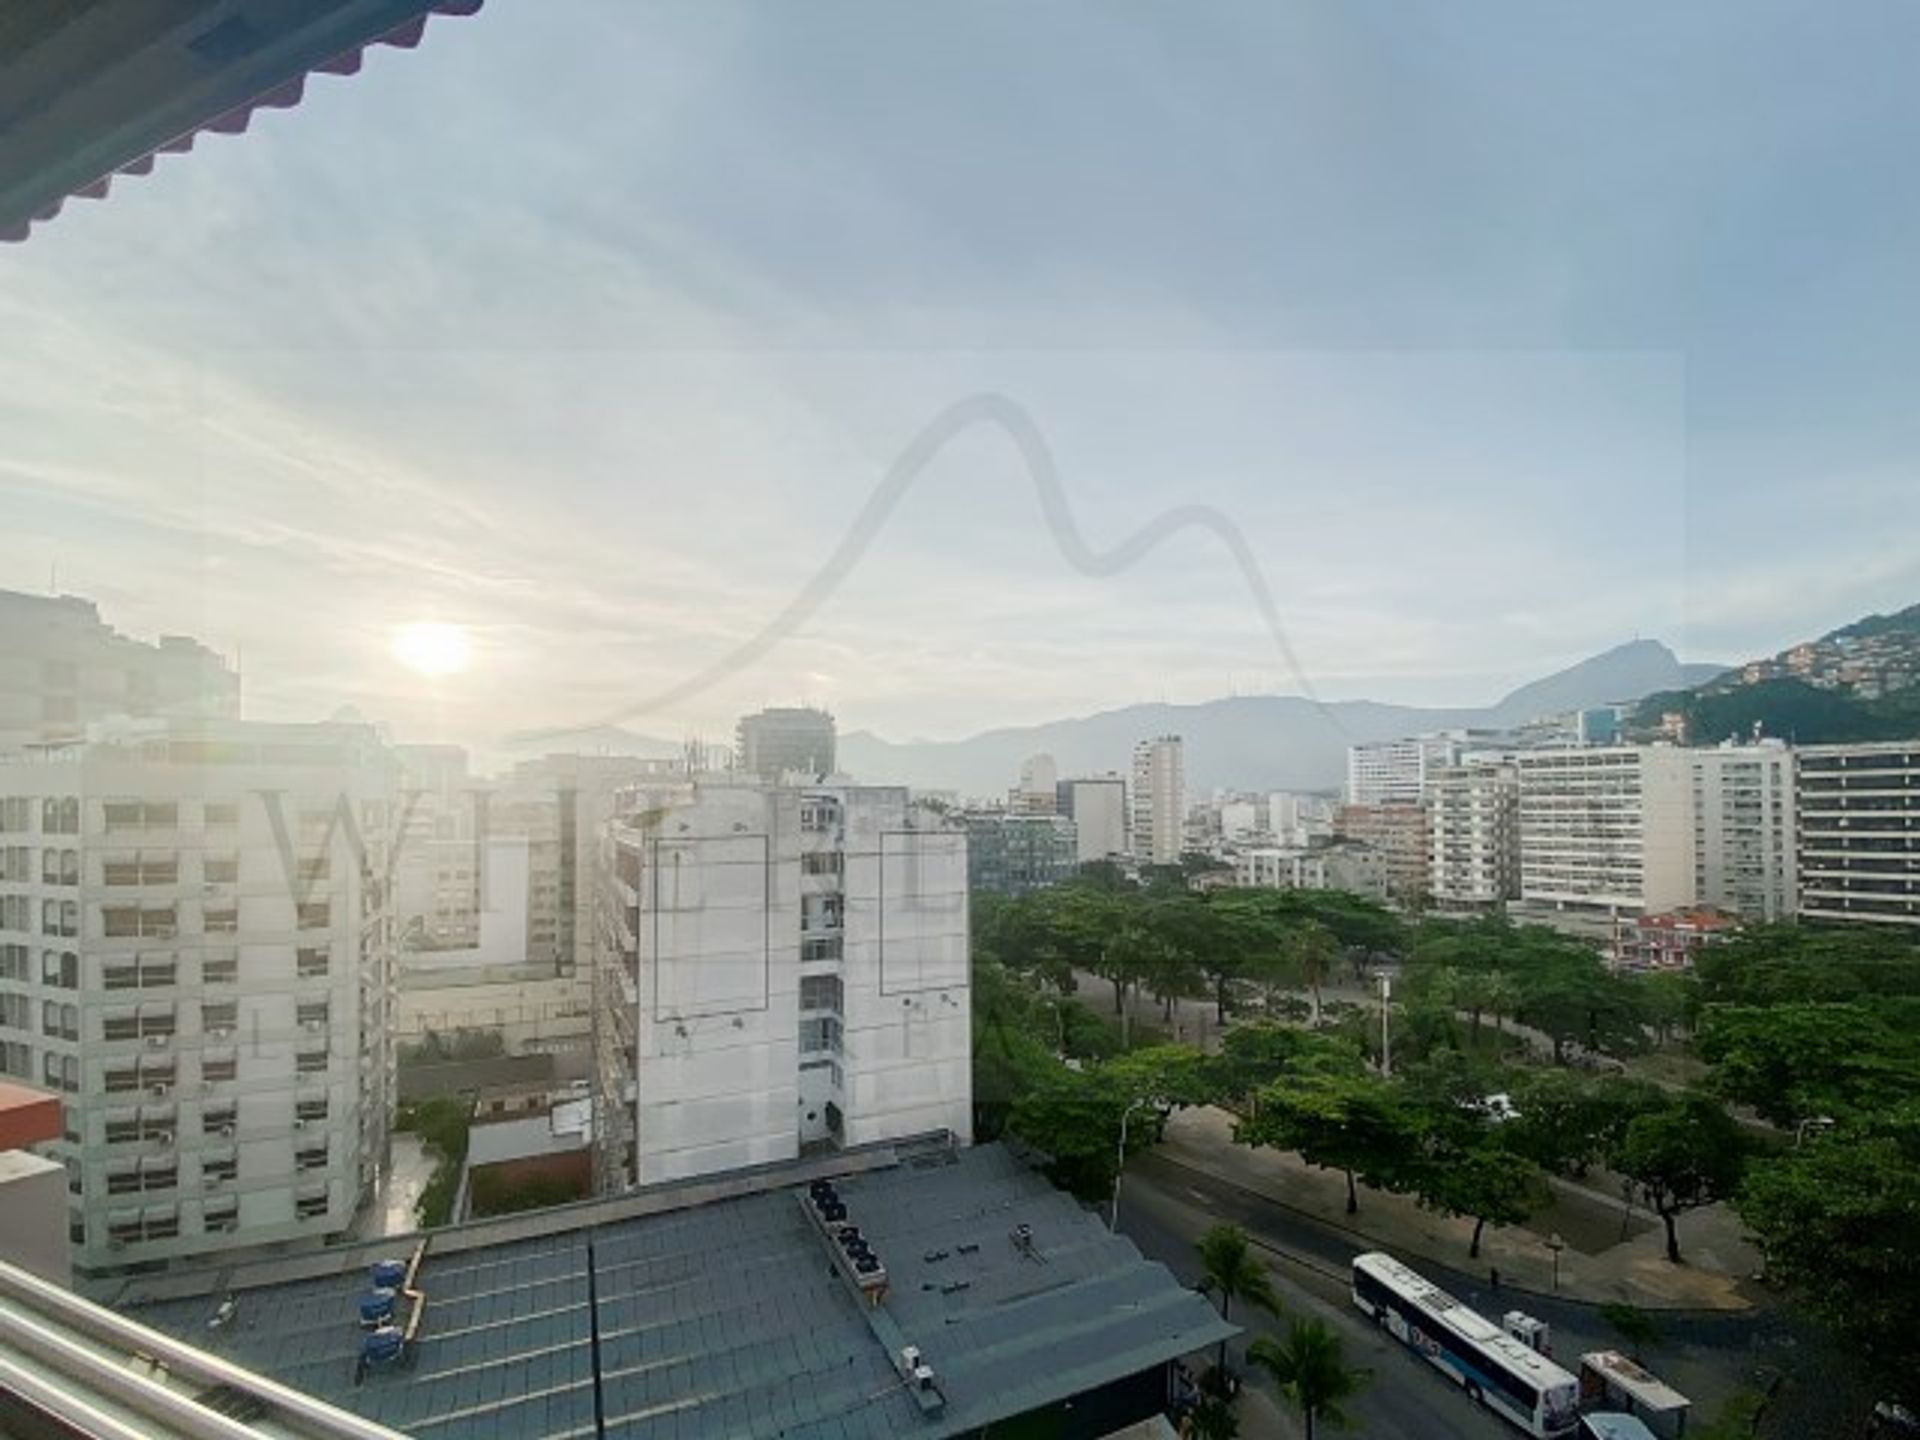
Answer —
1634 1270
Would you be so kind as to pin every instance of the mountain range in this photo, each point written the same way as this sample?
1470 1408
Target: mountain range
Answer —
1258 742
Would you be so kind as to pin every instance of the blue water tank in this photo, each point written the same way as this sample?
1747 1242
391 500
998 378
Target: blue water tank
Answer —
376 1308
382 1346
389 1274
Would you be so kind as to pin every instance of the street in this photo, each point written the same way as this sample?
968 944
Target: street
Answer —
1166 1206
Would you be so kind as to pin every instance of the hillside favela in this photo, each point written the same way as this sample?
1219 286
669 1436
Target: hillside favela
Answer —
795 722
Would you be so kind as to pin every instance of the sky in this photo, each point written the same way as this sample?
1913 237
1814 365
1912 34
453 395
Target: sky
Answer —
1498 334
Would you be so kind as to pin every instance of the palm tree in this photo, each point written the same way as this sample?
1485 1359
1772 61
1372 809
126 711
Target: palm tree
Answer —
1229 1270
1310 1368
1314 951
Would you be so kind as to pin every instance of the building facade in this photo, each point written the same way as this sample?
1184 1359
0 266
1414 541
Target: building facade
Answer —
61 667
1745 840
198 955
1473 832
787 740
1159 800
1606 828
788 969
1394 772
1097 806
1399 834
1341 865
1012 854
1858 833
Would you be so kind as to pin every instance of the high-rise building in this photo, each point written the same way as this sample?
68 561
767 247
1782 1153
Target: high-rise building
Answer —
1035 794
1394 772
1159 800
61 666
195 949
1858 824
790 740
1399 834
1296 820
788 969
1097 805
1013 854
1744 830
1607 828
1473 819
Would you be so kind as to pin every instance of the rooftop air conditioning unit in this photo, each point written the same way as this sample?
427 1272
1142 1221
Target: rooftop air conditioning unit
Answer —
226 1132
154 1042
162 1137
220 1032
159 1090
313 1027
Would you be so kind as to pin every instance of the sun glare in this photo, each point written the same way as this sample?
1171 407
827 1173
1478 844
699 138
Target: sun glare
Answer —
430 647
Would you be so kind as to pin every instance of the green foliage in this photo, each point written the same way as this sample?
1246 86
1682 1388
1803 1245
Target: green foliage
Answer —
1568 1121
1797 1060
1810 714
434 1048
1310 1368
494 1194
1682 1155
1339 1116
1230 1271
1838 1219
1783 963
442 1125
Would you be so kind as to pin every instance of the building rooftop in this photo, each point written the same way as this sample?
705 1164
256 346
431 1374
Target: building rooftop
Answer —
726 1319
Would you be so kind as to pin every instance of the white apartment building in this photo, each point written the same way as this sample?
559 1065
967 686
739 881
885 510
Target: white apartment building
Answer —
1858 828
61 667
1038 790
195 949
1744 830
1097 805
1473 827
1394 772
1159 799
1606 828
1295 820
788 969
1359 869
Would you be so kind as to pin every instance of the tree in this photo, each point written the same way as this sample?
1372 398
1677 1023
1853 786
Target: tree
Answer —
1838 1220
1340 1118
1313 952
1568 1121
1230 1271
1310 1368
1574 1000
1485 1183
1668 1000
1682 1155
1798 1059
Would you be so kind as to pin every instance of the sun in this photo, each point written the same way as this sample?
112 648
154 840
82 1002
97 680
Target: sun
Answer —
431 647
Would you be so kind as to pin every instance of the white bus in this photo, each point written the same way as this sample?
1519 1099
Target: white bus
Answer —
1495 1369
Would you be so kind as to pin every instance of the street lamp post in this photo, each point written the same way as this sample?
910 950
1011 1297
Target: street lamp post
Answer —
1113 1215
1386 1039
1556 1245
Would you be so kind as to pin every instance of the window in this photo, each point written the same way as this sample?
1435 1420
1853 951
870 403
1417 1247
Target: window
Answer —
315 916
157 1124
821 862
220 869
16 913
16 814
820 992
221 1217
61 1022
158 922
123 1180
218 1120
59 917
57 867
313 962
219 1068
312 1157
221 919
820 947
157 971
312 1014
220 1015
310 1207
163 1175
311 1110
60 815
219 1167
310 1062
222 814
120 1025
158 1022
121 1079
162 1226
123 1127
220 970
15 959
61 1072
119 975
818 1034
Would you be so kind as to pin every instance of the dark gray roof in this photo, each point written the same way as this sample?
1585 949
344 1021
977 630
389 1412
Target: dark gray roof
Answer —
728 1320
